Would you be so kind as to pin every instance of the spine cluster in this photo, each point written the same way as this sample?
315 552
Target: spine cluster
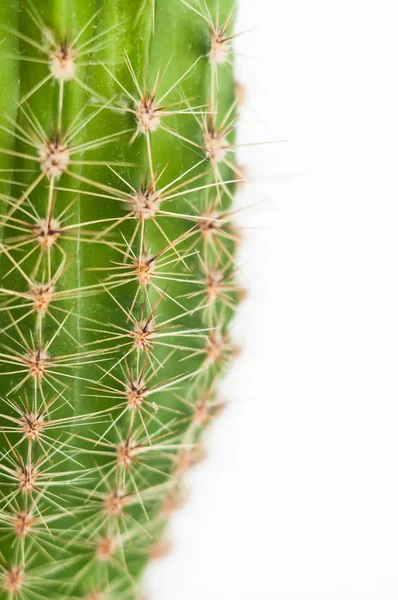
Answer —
118 283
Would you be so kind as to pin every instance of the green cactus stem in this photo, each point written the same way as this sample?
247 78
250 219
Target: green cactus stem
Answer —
117 279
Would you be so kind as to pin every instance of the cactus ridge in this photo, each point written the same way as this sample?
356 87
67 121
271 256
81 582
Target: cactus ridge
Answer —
118 281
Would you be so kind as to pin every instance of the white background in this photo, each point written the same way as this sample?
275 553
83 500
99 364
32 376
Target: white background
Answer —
298 499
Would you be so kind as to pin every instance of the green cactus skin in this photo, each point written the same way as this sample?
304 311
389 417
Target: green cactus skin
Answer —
117 279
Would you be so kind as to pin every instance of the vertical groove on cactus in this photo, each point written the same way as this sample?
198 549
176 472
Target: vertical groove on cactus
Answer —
117 261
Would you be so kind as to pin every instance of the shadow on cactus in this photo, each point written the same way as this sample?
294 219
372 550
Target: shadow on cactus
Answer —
117 280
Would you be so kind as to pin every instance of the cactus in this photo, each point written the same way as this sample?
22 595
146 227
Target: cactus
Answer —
117 284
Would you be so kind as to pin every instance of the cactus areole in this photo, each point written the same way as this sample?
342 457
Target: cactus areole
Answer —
117 174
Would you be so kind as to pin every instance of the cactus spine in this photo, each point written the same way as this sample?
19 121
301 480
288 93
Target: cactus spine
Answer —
117 279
